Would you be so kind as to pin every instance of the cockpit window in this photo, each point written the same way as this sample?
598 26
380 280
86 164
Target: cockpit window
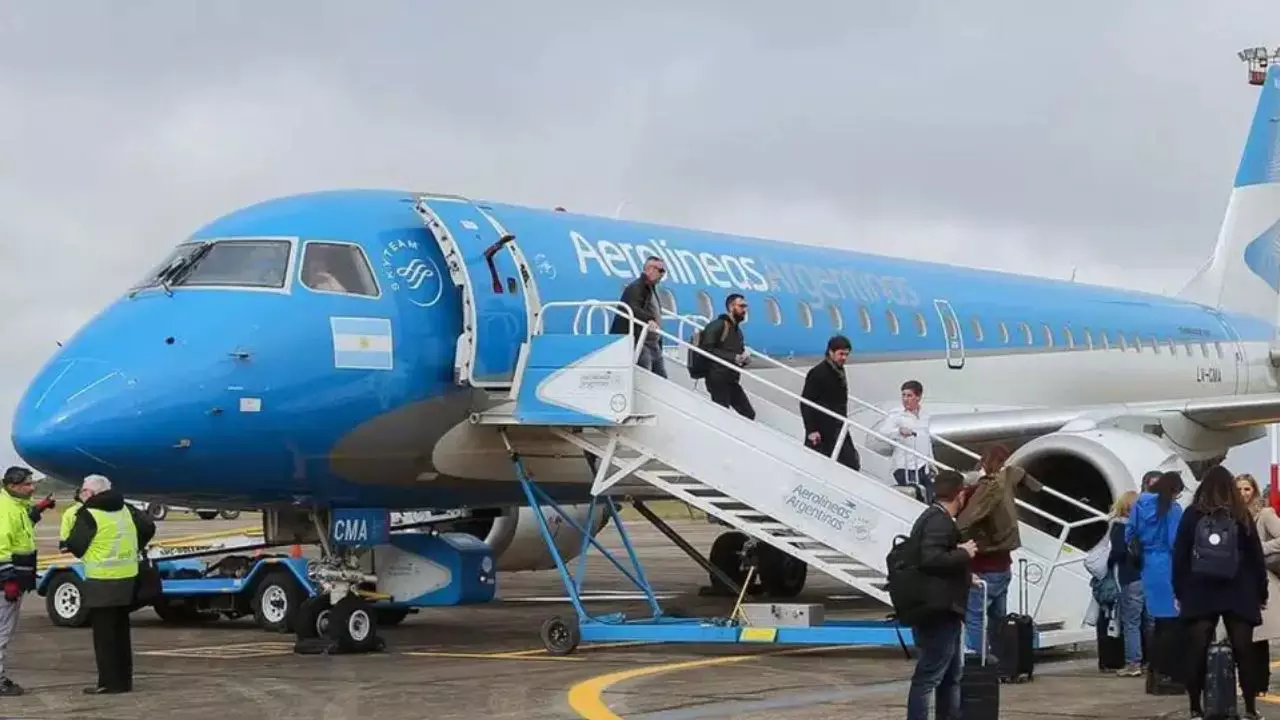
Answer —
238 263
175 257
337 268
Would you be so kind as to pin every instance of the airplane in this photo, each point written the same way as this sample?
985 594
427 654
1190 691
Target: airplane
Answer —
327 349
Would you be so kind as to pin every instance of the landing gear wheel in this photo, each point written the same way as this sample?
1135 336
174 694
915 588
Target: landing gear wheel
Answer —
781 575
390 617
64 602
352 627
157 511
726 555
277 602
560 637
228 514
206 514
313 618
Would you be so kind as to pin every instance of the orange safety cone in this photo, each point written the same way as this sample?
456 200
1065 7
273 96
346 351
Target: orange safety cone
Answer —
295 552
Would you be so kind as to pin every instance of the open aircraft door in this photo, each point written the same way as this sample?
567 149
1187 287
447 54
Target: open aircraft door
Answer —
498 297
951 333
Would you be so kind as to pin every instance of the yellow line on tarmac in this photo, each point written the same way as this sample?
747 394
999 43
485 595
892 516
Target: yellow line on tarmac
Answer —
586 697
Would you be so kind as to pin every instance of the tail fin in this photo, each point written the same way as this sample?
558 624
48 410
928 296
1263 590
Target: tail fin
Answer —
1244 273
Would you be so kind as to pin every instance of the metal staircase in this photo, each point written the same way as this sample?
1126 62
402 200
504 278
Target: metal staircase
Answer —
755 478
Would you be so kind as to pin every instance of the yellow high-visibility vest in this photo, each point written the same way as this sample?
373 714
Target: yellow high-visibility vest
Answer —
113 554
68 521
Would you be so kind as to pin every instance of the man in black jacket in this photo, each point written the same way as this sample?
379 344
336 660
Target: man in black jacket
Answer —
722 338
937 627
827 386
641 295
111 597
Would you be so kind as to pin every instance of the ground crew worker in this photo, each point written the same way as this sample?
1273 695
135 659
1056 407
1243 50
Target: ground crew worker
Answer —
17 558
107 536
68 520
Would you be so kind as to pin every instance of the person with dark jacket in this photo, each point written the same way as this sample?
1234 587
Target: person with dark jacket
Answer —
108 536
641 295
827 386
1132 603
722 338
1213 581
938 630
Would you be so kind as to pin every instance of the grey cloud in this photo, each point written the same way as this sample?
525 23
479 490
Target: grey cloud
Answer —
1025 137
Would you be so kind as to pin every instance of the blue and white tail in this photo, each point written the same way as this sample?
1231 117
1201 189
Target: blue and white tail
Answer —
1244 273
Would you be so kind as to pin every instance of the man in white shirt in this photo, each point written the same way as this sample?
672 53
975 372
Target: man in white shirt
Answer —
909 426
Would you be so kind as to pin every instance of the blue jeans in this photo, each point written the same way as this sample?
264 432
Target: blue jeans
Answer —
997 608
939 666
651 359
1132 606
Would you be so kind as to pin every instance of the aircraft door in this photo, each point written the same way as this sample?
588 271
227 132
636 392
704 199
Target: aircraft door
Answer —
481 261
1234 364
951 334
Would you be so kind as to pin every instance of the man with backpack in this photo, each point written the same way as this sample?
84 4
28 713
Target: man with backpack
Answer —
827 386
929 581
723 339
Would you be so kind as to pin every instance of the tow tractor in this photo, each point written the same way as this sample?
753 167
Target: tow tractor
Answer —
232 574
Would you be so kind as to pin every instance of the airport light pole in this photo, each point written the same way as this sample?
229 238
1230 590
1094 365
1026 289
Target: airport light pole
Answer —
1258 59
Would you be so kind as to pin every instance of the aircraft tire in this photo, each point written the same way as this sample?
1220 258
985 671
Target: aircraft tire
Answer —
560 637
312 620
157 511
277 601
352 625
64 601
228 514
726 554
781 575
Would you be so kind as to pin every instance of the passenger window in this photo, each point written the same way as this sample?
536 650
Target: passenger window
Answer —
668 300
705 308
864 318
1004 333
1071 339
977 329
1088 339
806 315
893 321
772 309
837 319
949 327
922 327
1026 333
237 263
340 268
1048 335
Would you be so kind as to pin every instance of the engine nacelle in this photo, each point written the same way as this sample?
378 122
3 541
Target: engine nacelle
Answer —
517 543
1094 467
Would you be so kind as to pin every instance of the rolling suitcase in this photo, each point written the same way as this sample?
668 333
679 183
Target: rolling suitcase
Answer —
980 682
1016 657
1220 683
1261 663
1110 648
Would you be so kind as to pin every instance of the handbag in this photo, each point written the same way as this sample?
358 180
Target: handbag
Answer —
149 585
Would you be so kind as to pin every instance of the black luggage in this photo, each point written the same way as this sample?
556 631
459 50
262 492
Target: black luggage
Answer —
1261 664
1110 649
1220 683
1016 639
980 682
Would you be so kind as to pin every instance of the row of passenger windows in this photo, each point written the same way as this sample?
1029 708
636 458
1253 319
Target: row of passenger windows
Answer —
1019 333
329 267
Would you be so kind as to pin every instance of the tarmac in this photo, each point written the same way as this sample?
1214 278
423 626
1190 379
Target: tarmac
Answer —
488 662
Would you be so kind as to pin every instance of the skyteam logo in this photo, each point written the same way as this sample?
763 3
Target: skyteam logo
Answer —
412 273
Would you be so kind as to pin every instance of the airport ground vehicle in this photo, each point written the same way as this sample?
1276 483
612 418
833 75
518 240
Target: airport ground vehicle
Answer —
160 511
232 576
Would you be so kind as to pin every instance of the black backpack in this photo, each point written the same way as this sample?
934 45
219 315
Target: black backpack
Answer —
697 362
1215 552
907 585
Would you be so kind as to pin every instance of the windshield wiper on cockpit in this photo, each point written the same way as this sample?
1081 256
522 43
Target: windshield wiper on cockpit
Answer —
181 267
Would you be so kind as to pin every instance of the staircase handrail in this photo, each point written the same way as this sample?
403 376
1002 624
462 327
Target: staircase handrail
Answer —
619 308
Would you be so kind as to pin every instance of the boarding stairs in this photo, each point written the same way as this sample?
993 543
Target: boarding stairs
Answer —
586 389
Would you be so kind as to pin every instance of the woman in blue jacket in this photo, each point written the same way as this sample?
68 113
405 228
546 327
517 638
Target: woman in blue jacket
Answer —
1153 527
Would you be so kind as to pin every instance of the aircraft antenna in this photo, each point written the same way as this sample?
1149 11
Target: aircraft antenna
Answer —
1258 59
1074 268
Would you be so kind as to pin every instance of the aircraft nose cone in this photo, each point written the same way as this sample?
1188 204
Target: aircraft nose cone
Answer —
63 426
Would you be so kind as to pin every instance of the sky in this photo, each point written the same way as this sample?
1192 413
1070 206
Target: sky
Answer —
1029 137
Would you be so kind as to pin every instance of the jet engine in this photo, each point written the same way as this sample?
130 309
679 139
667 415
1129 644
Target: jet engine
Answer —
517 542
1092 466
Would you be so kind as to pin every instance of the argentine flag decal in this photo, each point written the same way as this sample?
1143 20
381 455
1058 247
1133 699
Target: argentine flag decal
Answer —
361 343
